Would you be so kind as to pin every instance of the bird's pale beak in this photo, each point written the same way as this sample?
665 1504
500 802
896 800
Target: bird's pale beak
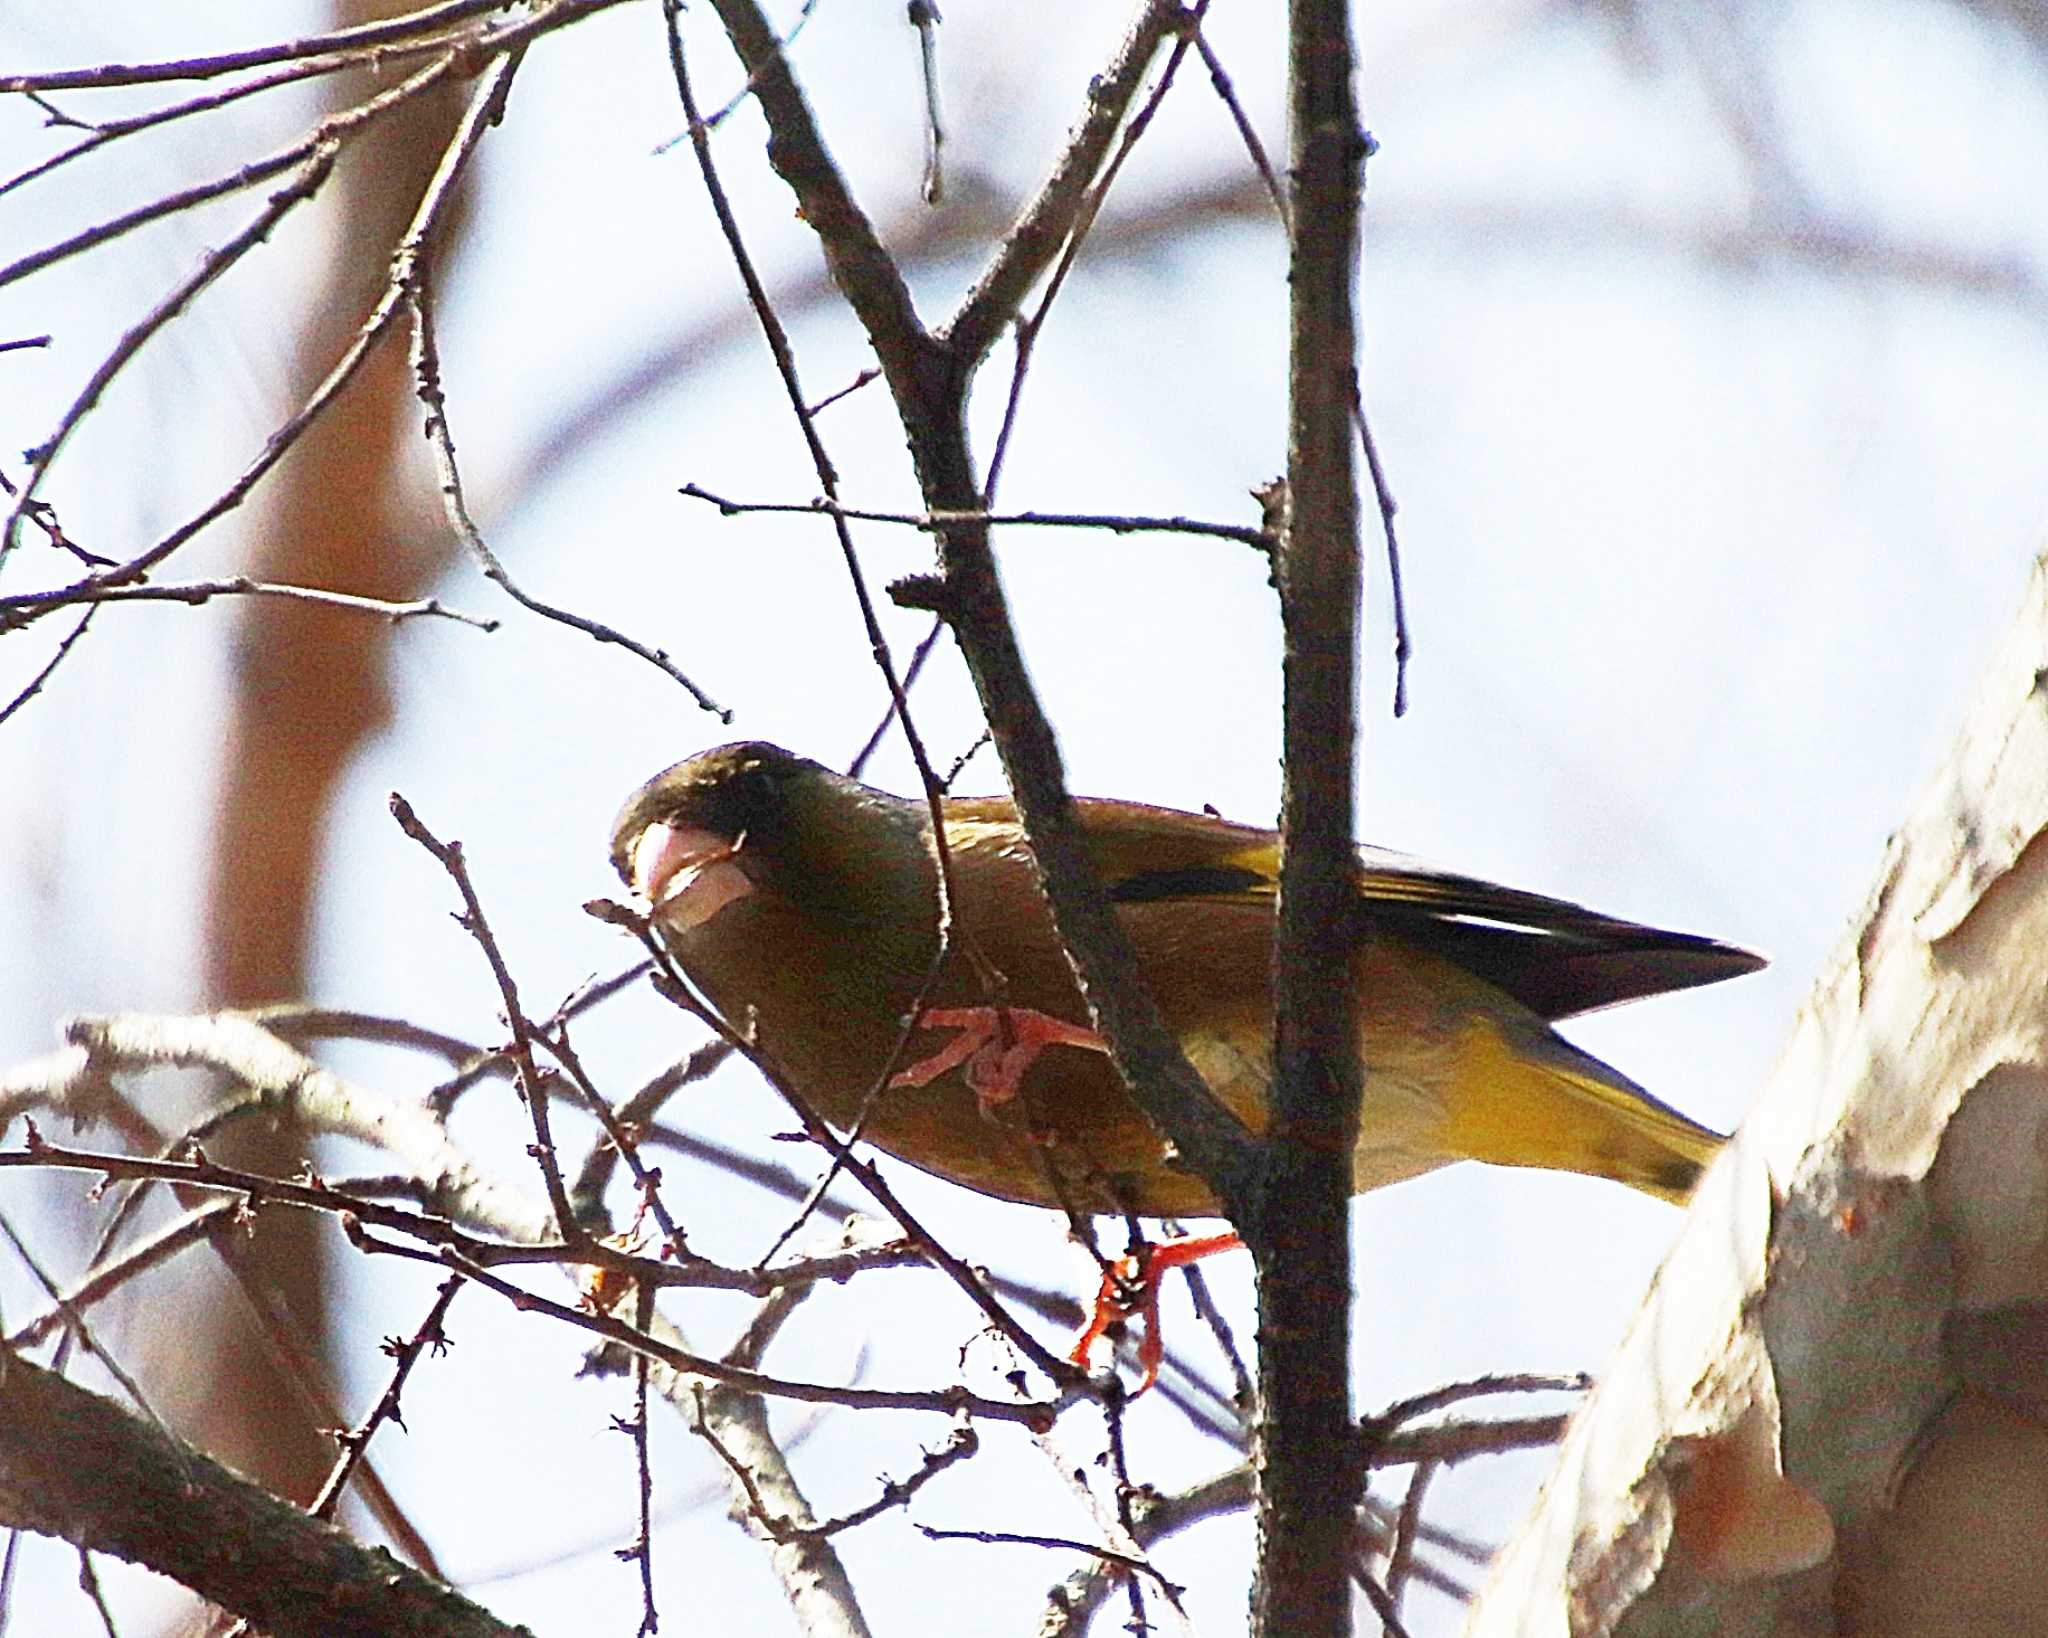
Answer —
686 876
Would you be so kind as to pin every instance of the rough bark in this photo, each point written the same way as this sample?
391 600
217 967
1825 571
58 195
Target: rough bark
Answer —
78 1466
1832 1412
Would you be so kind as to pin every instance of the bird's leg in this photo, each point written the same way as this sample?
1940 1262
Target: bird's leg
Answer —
1130 1285
997 1044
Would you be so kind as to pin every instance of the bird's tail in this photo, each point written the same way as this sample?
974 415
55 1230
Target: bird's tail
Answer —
1525 1096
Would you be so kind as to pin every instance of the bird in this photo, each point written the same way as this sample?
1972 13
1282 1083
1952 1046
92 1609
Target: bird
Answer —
806 903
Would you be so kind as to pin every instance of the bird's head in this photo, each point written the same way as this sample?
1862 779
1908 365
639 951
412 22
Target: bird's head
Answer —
742 818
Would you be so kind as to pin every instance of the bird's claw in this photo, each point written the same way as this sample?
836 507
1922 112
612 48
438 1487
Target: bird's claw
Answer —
997 1044
1130 1286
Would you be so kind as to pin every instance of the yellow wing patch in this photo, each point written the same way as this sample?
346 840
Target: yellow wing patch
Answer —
1513 1109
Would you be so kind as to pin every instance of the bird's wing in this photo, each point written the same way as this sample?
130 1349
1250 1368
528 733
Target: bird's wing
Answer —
1555 957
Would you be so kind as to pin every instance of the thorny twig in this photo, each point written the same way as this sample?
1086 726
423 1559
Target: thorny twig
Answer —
405 1352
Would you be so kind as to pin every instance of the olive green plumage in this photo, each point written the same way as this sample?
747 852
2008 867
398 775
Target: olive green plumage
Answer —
806 903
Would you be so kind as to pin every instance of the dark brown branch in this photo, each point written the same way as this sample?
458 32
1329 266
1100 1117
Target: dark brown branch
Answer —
931 402
76 1466
1299 1233
1144 1050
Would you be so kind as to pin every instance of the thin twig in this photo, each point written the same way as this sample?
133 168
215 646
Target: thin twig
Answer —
22 608
859 381
932 522
75 1324
924 17
725 110
1383 493
169 204
1383 496
1014 1538
34 686
532 1084
1401 1561
670 983
107 1273
642 1548
427 383
106 1277
1246 131
484 108
405 1353
635 1117
1382 1605
298 1023
483 1063
309 68
364 35
1447 1443
623 1141
1074 1601
1091 203
1047 222
302 186
1219 1327
949 1401
918 656
1403 1411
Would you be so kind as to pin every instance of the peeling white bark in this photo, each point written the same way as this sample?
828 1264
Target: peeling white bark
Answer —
1831 1413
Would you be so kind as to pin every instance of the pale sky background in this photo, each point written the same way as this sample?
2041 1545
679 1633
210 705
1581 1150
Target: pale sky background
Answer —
1702 552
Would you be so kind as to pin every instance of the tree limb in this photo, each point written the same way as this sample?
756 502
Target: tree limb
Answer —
75 1465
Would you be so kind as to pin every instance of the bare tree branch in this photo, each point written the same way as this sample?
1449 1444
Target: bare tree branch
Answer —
1299 1231
75 1465
362 38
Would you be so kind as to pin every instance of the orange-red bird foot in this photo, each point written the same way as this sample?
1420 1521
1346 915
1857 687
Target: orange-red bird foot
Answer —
1130 1285
997 1044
